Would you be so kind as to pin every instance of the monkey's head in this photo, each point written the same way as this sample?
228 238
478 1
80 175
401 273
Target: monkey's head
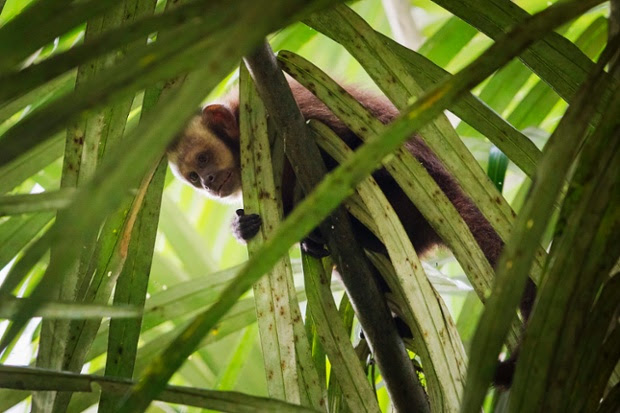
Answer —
206 154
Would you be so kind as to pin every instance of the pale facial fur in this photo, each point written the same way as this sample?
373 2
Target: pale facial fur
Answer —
203 161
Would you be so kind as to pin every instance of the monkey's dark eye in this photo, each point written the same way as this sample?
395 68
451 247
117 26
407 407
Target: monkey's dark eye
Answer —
193 177
202 158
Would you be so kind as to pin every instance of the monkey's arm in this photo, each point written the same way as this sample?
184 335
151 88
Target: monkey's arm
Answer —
245 227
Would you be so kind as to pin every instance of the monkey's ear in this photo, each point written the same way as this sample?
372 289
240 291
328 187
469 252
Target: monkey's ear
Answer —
220 119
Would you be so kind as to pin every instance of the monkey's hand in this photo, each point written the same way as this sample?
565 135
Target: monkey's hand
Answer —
314 245
245 227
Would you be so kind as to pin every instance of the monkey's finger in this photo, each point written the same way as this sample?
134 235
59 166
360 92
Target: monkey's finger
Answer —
250 222
252 218
251 227
315 250
245 227
249 233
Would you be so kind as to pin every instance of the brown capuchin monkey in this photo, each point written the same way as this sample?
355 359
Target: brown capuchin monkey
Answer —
206 156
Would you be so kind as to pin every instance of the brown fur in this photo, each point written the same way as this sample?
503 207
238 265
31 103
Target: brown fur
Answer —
201 136
215 132
422 236
209 155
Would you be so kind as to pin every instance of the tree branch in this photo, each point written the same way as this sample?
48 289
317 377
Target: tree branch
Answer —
389 351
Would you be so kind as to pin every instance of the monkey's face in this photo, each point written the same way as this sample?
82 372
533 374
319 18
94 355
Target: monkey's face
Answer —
206 155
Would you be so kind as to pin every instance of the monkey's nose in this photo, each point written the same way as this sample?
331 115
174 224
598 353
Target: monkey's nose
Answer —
207 180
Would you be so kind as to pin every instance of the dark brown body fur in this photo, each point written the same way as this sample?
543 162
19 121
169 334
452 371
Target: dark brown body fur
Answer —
422 236
213 135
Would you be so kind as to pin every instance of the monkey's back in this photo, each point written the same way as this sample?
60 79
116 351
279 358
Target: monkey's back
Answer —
421 234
